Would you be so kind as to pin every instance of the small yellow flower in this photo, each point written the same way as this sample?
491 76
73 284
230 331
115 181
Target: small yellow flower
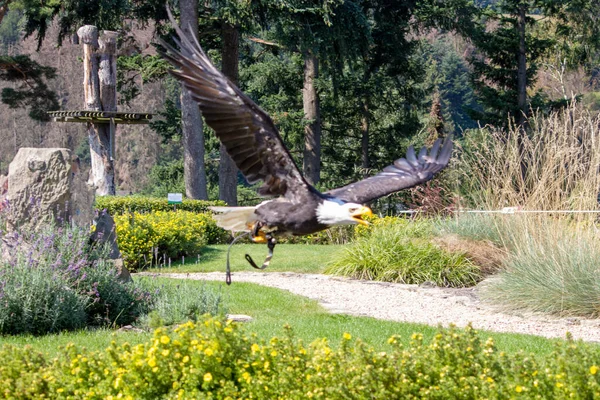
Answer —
208 352
593 369
347 336
164 339
519 389
208 377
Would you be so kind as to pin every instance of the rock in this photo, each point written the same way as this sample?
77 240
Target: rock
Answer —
124 274
105 232
46 184
3 190
130 328
239 317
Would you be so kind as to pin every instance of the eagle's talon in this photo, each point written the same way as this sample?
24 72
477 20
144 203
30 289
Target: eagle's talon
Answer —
259 236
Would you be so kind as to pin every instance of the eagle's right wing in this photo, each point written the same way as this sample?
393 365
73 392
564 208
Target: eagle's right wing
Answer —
403 174
246 131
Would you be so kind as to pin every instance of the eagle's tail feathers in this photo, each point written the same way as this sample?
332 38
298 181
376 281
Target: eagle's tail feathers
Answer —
236 219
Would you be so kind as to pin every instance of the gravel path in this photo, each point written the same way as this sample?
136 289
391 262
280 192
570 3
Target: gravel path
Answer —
410 303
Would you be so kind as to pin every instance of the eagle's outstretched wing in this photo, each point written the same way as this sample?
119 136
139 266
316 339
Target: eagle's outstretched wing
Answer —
403 174
246 131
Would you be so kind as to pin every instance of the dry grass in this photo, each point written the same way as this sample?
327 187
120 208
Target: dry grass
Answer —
483 253
554 167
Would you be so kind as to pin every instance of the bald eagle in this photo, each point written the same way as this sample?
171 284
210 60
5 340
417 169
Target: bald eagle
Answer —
254 144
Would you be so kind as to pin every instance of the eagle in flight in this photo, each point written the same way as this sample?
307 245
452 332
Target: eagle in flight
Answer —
254 144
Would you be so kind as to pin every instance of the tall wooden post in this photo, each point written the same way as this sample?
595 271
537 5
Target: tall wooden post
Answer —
100 82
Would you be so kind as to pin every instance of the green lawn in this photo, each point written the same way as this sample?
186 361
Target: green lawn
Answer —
272 309
287 257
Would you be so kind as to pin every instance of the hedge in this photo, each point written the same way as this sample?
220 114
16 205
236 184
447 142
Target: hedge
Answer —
213 359
117 205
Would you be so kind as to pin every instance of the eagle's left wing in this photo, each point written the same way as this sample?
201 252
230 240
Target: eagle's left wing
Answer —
246 131
403 174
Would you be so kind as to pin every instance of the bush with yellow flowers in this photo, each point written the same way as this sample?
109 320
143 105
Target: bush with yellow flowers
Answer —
213 359
151 238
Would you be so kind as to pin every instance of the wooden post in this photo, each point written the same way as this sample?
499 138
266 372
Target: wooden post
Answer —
107 74
99 65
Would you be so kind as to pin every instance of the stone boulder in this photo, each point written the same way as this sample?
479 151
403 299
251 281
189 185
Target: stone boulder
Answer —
105 234
3 190
46 183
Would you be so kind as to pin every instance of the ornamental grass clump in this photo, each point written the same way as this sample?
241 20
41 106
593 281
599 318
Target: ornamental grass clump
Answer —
400 250
219 360
553 166
54 280
553 266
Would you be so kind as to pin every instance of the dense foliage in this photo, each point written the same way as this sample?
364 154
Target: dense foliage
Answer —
116 205
156 238
213 359
54 281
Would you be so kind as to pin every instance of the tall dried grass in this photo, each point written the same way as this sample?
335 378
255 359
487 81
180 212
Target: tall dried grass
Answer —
555 166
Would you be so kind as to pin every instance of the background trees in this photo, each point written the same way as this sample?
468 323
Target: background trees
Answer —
348 82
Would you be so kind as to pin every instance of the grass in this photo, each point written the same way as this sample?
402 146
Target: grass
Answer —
554 166
272 309
302 258
398 250
552 263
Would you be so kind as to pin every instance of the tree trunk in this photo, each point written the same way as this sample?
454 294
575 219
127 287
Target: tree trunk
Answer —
230 61
194 171
522 67
364 136
312 130
99 82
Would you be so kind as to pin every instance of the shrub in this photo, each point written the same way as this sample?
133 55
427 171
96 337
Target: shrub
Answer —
179 302
117 205
152 238
400 250
212 359
36 300
55 281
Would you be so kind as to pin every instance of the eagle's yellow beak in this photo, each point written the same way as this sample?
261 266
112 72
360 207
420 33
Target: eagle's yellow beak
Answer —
360 213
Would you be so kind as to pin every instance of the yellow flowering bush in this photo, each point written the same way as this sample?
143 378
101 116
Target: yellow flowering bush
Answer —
150 238
213 359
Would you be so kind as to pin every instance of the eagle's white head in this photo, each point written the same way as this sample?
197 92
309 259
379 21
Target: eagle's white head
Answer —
336 212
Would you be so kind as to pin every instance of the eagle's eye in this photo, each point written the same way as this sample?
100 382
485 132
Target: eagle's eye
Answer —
353 209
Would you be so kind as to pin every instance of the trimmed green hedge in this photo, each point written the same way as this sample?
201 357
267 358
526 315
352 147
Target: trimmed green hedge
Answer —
116 205
217 360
